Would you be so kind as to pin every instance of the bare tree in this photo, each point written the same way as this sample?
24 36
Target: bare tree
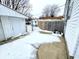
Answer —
54 10
46 10
22 6
51 10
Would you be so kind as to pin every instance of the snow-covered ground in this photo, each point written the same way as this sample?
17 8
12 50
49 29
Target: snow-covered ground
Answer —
29 28
24 48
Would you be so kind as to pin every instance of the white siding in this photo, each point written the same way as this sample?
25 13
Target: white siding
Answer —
13 26
18 25
72 29
7 27
2 37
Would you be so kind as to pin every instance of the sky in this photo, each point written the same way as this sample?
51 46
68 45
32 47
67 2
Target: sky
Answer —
38 6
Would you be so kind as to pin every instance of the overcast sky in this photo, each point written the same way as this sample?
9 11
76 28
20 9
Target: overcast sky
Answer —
38 6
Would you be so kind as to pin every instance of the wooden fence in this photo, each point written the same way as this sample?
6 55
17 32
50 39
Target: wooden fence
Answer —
53 25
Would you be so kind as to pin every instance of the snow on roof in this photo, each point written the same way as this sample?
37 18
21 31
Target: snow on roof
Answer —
49 17
5 11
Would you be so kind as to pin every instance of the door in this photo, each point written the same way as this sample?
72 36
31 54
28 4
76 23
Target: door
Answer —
1 32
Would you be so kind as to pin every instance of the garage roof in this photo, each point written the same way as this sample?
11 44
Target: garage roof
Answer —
5 11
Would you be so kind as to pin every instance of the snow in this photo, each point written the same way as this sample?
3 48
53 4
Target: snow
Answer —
23 49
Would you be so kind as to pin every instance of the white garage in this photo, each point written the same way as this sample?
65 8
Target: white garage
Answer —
12 23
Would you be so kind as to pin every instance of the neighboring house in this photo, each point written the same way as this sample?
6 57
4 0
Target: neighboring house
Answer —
52 23
72 27
12 23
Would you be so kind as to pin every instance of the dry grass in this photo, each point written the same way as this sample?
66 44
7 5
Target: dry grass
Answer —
56 50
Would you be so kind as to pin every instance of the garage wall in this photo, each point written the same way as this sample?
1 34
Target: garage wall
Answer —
13 26
2 37
18 25
7 27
